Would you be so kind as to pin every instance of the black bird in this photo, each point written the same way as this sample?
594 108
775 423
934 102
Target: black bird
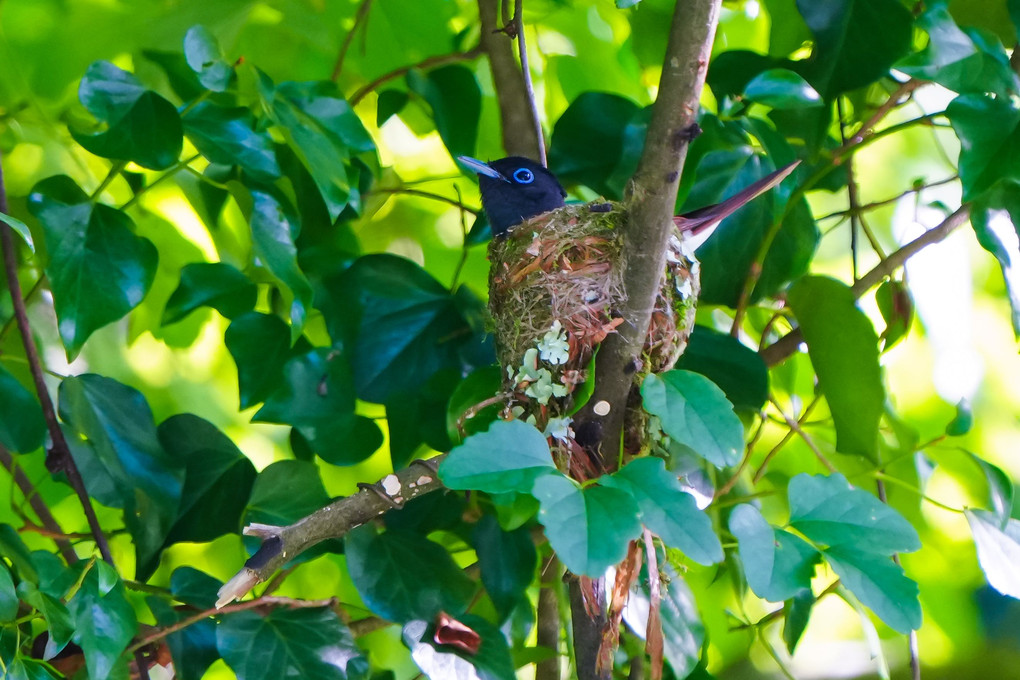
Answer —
515 189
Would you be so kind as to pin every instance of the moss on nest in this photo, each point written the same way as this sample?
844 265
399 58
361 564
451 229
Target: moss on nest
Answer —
554 287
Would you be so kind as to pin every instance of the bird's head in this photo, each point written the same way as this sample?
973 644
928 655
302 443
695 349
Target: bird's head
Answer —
514 189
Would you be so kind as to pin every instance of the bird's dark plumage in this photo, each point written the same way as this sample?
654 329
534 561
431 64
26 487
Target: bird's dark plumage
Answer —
515 189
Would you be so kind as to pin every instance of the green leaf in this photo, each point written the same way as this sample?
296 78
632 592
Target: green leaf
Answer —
695 413
667 510
995 218
22 427
410 325
23 668
998 549
829 511
141 125
390 103
15 550
893 300
203 55
796 613
227 135
732 249
589 141
317 398
260 345
58 619
193 648
323 130
98 268
844 352
961 59
1000 487
777 564
117 423
290 643
456 101
481 384
509 456
588 528
738 370
507 560
210 284
285 492
419 417
20 228
104 620
880 584
782 89
989 141
683 633
218 479
9 597
492 662
856 41
403 576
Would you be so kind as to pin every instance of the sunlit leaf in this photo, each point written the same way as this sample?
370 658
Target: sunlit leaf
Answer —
509 456
880 584
998 549
203 55
20 228
212 284
781 89
227 135
777 564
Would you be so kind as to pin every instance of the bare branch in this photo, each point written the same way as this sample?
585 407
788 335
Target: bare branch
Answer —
359 19
522 52
42 511
425 64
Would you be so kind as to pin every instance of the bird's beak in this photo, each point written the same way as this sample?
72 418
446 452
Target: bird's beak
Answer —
481 168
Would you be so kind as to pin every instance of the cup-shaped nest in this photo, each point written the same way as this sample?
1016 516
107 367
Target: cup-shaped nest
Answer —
555 287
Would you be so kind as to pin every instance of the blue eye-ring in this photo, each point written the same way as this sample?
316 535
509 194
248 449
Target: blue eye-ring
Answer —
523 176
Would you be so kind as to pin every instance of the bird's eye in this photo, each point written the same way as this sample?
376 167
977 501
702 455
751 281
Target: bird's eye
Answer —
524 176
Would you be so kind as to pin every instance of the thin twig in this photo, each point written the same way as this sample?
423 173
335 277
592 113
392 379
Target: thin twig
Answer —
867 207
425 64
170 172
455 202
522 51
795 425
362 14
732 481
760 472
59 455
42 511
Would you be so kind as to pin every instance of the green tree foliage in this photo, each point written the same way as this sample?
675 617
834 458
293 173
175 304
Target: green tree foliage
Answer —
257 279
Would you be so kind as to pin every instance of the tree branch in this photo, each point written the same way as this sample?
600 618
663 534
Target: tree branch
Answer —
515 110
529 89
425 64
42 511
359 18
59 455
282 544
781 349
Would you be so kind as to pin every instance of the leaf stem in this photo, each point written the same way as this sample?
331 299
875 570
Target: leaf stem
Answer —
171 171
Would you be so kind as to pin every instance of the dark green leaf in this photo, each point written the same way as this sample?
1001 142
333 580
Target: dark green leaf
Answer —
732 70
212 284
989 141
781 89
456 101
203 55
403 576
218 479
183 80
109 92
260 345
98 268
730 252
694 412
419 417
317 398
844 352
880 584
492 662
150 134
193 648
9 597
482 384
117 423
831 512
390 103
429 512
15 550
285 492
290 643
589 140
667 510
995 218
796 613
998 549
738 370
856 41
22 427
961 59
588 528
322 128
20 228
58 619
509 456
507 560
777 564
227 135
1000 487
104 620
23 668
410 326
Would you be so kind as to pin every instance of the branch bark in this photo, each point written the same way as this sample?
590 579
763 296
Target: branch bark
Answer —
42 511
515 111
282 544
